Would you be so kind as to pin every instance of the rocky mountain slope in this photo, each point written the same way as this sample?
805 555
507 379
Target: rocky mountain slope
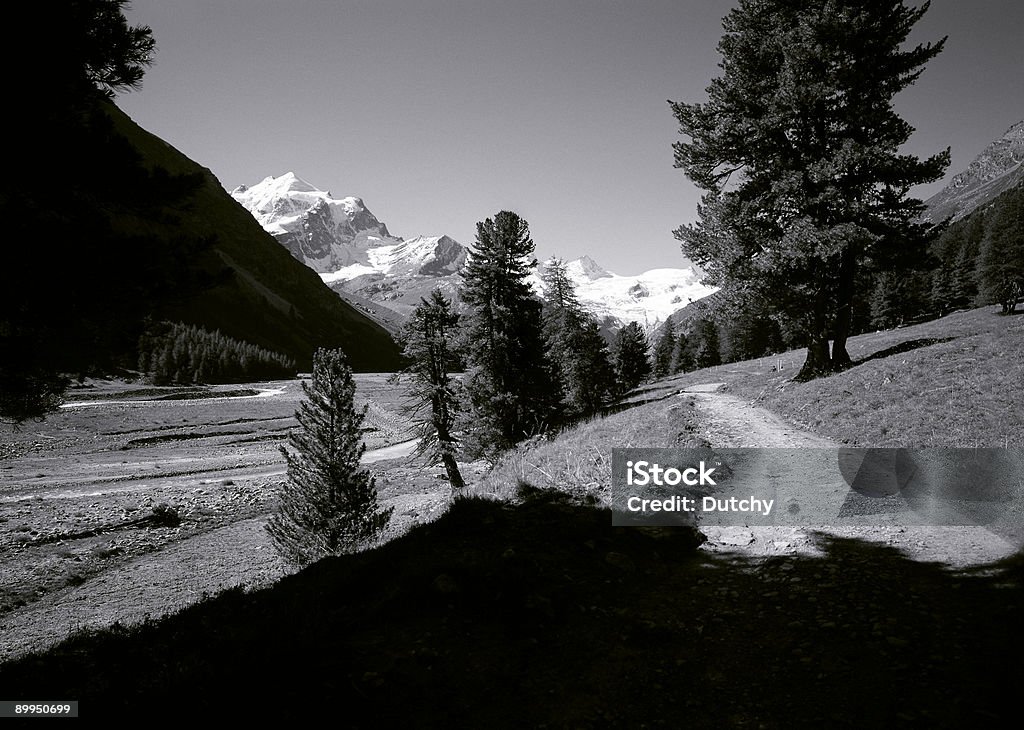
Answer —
340 236
385 276
997 169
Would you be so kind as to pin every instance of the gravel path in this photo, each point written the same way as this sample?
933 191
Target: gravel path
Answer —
730 422
726 421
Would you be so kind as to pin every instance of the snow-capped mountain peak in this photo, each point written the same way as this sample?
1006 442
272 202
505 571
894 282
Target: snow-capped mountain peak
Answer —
648 298
357 256
585 268
323 232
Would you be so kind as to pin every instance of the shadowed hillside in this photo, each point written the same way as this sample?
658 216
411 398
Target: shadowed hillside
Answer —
268 298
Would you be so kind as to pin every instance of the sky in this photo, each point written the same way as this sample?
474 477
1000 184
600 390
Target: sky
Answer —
440 113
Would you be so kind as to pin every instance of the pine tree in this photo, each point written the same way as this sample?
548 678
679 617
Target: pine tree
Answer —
632 366
430 341
576 349
510 382
899 298
1000 269
704 340
887 301
664 351
329 502
592 377
682 356
955 254
941 289
559 291
798 148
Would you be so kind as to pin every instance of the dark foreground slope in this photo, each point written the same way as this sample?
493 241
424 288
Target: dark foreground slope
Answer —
543 615
263 295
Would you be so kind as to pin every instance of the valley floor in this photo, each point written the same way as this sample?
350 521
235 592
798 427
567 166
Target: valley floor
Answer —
79 545
858 625
216 461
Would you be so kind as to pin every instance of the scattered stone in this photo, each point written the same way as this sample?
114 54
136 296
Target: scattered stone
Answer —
736 537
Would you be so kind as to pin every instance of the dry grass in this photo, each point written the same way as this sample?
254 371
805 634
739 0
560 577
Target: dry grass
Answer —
578 460
958 385
962 390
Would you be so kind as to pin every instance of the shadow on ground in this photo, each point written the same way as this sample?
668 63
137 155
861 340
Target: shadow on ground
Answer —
543 614
903 347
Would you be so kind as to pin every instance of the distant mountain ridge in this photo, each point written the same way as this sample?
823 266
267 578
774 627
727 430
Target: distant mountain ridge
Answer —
648 299
999 167
385 276
340 236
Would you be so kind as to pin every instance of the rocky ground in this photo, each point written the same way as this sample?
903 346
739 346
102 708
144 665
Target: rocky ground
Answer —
124 506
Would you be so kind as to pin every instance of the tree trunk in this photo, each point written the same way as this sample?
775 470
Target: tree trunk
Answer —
818 361
446 442
844 314
454 475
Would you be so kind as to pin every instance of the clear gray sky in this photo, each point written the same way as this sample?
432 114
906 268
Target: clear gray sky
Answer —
440 113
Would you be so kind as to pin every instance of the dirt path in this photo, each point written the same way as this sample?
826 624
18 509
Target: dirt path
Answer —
730 422
726 421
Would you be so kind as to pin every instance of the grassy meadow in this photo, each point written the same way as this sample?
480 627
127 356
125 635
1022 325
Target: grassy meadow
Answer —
953 382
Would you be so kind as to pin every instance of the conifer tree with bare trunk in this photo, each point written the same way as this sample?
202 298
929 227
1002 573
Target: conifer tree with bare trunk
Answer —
799 151
430 339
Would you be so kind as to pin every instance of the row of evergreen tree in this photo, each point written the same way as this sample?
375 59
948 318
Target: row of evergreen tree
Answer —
976 261
534 364
179 354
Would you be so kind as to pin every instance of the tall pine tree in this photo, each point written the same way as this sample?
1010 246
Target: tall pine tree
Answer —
682 355
1000 270
632 365
329 501
430 339
664 350
705 343
799 150
510 382
575 347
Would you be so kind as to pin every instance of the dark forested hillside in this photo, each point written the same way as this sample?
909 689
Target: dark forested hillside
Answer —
107 229
263 295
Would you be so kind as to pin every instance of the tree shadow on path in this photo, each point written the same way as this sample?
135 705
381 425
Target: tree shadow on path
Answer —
544 614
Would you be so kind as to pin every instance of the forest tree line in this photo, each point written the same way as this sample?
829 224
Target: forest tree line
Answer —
976 261
180 354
